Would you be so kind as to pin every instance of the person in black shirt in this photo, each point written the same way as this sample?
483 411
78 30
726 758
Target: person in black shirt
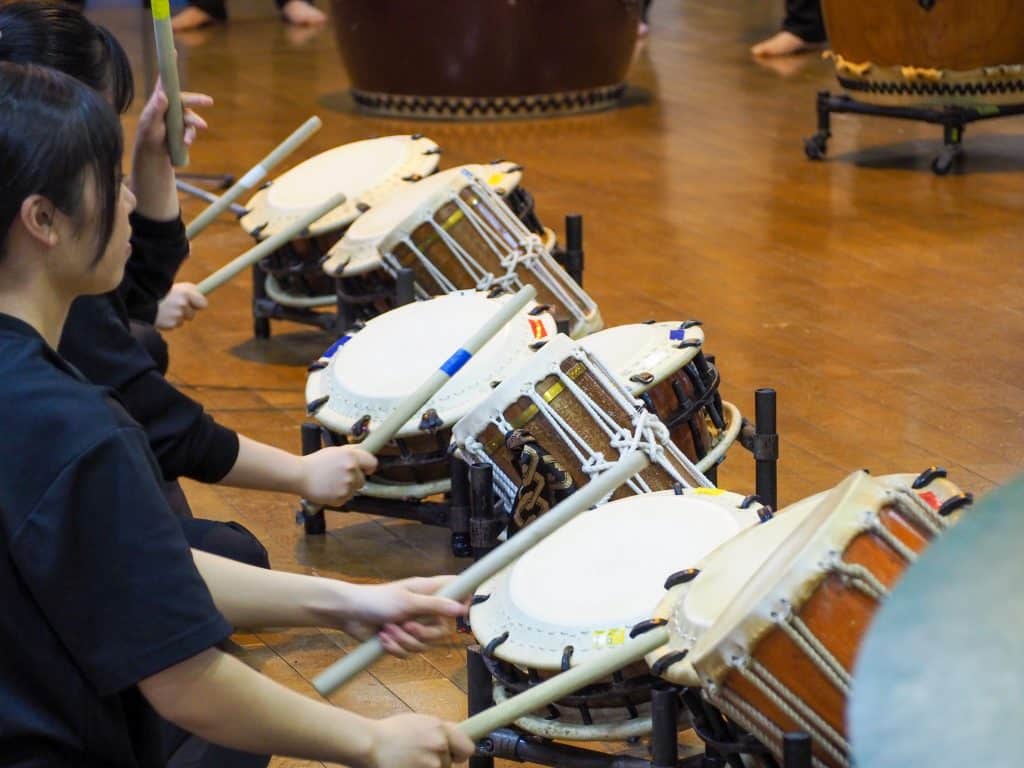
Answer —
108 619
97 337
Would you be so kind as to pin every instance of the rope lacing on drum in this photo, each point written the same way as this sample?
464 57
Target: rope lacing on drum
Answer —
860 578
801 634
756 723
793 707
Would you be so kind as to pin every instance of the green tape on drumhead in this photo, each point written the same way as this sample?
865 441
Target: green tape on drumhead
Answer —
161 9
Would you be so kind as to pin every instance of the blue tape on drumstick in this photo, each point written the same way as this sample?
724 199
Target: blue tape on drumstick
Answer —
677 335
336 346
454 363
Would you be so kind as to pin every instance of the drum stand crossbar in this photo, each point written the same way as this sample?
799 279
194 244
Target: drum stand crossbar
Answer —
474 516
953 119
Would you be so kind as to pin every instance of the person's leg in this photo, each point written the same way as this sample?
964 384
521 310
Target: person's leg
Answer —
199 13
803 29
301 13
231 540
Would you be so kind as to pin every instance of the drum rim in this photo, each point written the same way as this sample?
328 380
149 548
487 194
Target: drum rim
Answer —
495 613
519 340
348 258
673 360
422 157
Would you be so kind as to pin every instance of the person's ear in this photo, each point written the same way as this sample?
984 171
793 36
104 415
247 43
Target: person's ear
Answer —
39 217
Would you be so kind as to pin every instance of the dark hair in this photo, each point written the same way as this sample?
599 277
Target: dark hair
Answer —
55 135
58 36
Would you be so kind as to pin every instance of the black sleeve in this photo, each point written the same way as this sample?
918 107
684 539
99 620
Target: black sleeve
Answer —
107 563
186 440
158 250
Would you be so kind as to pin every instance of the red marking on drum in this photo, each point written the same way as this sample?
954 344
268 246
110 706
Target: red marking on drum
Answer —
930 499
538 328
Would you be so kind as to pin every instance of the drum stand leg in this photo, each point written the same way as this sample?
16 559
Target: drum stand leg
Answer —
766 447
485 525
460 507
260 311
665 722
310 516
571 258
481 697
796 750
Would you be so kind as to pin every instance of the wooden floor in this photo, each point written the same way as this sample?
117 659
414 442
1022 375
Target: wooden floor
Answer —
885 305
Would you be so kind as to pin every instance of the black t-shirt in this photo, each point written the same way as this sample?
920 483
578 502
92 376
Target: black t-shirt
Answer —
97 340
98 589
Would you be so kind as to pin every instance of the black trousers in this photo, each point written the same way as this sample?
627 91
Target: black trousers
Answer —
804 19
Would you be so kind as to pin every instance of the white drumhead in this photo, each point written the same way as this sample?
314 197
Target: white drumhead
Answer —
589 582
369 372
366 171
356 252
645 355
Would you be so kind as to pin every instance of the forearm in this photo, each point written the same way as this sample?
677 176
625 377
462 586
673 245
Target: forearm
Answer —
256 597
153 183
262 467
220 699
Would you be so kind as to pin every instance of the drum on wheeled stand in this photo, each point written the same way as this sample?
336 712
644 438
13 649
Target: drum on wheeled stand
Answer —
946 62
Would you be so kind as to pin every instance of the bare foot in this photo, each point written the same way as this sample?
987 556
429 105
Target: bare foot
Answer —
302 14
192 18
783 44
642 29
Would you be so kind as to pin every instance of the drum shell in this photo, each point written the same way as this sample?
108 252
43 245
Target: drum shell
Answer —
523 415
297 265
839 616
692 435
484 48
451 219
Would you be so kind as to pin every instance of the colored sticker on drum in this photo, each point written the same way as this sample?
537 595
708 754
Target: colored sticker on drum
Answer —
709 491
495 179
930 499
336 346
607 638
538 329
679 334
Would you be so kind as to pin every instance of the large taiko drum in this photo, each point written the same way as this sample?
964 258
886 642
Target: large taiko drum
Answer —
486 58
929 52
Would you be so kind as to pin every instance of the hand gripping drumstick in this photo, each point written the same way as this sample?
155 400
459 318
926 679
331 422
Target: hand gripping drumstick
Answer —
463 585
168 65
565 683
253 177
271 244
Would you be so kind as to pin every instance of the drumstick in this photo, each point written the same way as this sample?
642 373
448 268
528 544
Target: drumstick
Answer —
168 64
463 585
271 244
253 177
382 434
563 684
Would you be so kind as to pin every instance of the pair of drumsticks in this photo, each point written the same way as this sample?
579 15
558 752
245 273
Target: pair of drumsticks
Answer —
467 582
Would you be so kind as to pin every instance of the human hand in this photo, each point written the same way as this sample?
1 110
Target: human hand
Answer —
406 615
180 304
417 741
151 133
332 475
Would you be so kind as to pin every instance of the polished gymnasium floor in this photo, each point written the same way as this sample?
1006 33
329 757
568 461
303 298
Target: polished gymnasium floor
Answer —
886 305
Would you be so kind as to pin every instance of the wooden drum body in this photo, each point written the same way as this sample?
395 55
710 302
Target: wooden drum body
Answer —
780 656
486 58
929 52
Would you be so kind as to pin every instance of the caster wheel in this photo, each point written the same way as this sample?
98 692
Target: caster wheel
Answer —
814 146
315 525
460 545
261 328
942 164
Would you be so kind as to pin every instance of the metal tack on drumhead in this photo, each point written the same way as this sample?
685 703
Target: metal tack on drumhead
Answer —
646 626
682 577
925 478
